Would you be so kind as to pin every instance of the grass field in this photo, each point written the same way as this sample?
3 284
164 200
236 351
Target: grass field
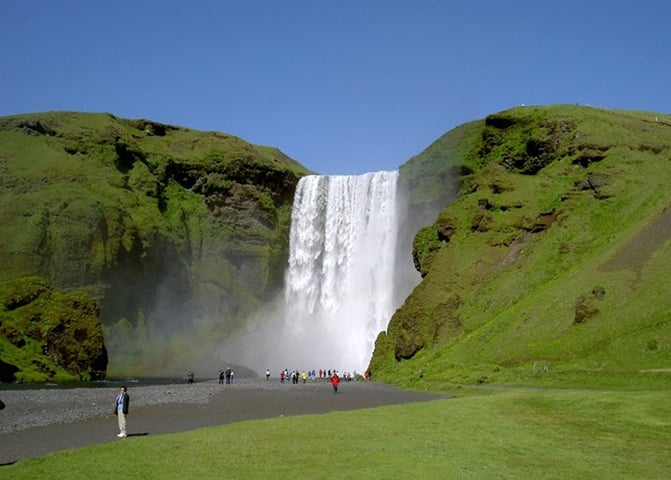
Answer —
480 433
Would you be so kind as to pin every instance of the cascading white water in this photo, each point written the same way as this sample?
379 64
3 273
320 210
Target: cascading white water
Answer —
339 288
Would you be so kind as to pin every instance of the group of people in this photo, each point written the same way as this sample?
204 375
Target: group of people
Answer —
226 375
295 376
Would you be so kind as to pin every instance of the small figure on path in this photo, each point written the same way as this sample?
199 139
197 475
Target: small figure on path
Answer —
121 410
267 374
190 376
221 376
335 380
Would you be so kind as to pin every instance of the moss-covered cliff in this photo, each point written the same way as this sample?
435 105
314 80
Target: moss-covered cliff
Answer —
549 262
171 230
46 335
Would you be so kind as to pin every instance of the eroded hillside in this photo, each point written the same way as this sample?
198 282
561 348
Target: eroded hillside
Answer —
547 266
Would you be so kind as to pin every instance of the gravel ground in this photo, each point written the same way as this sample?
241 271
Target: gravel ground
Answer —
40 407
41 421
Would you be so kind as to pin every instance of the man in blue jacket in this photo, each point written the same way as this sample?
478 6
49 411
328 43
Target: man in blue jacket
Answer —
121 410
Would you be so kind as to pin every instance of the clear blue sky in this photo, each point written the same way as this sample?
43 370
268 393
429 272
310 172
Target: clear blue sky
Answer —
343 86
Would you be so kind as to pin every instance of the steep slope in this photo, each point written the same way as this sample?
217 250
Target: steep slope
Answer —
46 335
549 264
177 233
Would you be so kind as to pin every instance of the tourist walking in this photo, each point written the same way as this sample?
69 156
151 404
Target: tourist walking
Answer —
335 380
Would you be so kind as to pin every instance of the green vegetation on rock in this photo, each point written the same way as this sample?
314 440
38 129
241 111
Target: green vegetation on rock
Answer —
47 335
548 264
171 230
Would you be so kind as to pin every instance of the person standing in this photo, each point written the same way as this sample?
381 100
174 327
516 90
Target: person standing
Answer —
121 410
267 374
335 380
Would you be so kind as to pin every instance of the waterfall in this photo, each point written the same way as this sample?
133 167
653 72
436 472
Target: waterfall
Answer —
339 286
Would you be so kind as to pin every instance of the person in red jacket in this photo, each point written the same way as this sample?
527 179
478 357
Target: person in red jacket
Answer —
335 380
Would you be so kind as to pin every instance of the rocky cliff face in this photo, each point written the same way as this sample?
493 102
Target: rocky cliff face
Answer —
171 230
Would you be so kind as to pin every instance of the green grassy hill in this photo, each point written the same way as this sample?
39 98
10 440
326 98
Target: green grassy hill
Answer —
171 230
549 265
